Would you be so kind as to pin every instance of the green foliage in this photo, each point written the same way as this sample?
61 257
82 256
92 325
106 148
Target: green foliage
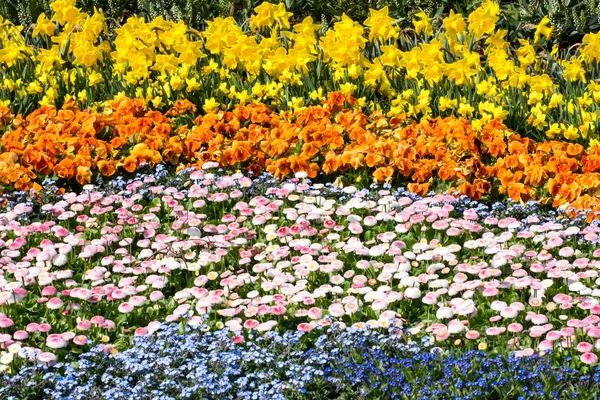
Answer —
572 19
23 12
192 12
402 10
196 12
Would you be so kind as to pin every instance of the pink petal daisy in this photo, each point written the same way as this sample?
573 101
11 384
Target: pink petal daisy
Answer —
589 358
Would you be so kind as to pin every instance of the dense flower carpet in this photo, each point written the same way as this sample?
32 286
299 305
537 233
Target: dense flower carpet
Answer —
272 210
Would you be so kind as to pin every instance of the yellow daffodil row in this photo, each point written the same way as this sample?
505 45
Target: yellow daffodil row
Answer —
459 65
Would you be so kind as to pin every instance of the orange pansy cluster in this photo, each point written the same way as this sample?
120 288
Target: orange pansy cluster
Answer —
331 139
69 143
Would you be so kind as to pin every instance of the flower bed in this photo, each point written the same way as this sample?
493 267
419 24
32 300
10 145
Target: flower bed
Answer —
343 364
445 154
256 260
253 255
463 66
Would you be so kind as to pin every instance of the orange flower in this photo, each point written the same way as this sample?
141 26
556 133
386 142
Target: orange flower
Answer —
236 153
84 175
589 181
280 168
354 159
173 151
474 191
298 164
5 116
309 150
477 167
482 186
274 148
422 171
331 163
420 189
570 192
64 169
12 174
335 101
591 162
118 142
23 183
447 170
517 192
374 160
241 113
553 185
383 174
487 136
130 163
574 149
507 177
107 168
516 147
181 107
256 133
497 147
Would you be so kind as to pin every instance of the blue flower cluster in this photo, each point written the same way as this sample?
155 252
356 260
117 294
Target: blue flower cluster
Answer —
188 363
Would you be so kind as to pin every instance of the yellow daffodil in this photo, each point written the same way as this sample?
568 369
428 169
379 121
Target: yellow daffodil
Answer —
423 23
447 103
210 105
65 11
380 25
454 24
571 133
543 29
43 26
483 19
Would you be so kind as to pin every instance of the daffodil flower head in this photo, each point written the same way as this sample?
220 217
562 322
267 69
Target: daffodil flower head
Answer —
543 29
423 23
